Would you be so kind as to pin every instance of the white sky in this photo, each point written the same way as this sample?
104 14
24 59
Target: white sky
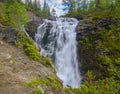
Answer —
56 4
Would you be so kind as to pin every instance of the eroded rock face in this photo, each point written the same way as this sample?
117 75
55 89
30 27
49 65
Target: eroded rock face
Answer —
87 53
32 26
84 28
53 18
9 34
91 25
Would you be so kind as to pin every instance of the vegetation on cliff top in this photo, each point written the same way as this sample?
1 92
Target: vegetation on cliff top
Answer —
13 14
94 8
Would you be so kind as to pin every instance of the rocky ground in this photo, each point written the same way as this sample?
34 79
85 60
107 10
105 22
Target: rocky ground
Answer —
16 68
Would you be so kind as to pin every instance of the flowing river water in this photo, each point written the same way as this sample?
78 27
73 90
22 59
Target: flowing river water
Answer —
57 40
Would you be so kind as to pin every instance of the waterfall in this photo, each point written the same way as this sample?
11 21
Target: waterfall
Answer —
57 40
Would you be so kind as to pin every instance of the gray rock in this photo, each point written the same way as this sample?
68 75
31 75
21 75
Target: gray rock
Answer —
1 25
53 18
45 37
9 34
87 53
31 27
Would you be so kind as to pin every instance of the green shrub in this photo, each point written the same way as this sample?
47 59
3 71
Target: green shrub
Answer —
30 84
37 91
50 82
47 62
13 14
29 47
31 50
103 49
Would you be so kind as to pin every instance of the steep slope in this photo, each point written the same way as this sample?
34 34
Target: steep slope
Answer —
22 69
16 69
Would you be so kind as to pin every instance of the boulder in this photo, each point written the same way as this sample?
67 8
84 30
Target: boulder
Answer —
31 27
45 37
9 34
53 18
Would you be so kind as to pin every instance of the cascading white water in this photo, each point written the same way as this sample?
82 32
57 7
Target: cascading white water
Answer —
57 40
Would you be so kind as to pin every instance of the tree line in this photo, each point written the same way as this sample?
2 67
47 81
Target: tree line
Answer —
78 7
36 7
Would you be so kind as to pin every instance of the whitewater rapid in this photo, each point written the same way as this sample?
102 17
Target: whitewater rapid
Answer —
57 40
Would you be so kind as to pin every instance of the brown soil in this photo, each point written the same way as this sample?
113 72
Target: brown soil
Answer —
16 68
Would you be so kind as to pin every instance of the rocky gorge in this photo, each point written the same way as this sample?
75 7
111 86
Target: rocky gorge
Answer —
90 52
87 27
91 47
82 48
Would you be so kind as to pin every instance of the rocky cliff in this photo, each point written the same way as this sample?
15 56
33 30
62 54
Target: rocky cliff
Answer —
22 69
95 52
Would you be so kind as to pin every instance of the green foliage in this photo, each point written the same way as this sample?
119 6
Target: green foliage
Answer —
13 14
95 8
30 84
51 82
31 51
17 43
91 86
29 47
103 49
107 86
37 91
36 9
17 13
3 16
47 62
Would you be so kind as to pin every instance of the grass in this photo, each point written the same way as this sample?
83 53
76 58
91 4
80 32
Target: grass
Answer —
50 82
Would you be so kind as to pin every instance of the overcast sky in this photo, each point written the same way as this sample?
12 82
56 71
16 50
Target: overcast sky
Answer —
60 7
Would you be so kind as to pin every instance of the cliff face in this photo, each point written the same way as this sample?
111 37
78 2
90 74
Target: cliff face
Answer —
19 73
33 24
95 52
88 42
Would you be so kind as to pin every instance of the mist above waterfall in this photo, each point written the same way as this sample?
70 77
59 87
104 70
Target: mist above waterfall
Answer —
57 40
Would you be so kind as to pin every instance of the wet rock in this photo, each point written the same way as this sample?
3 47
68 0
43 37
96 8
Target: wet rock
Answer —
45 37
79 17
52 18
31 27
